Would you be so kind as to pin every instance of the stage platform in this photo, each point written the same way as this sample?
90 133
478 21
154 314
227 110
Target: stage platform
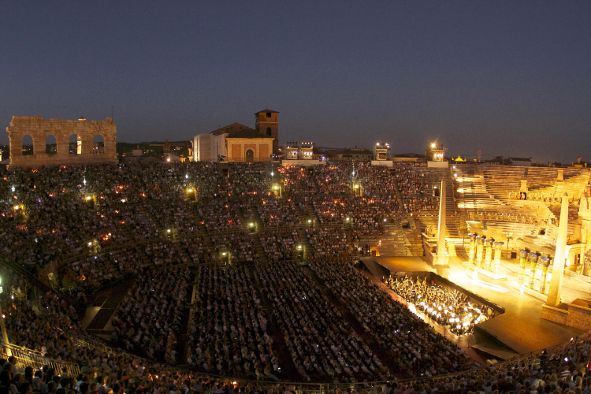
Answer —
520 329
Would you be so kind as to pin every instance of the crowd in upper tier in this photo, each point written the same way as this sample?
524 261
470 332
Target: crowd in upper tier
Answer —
49 214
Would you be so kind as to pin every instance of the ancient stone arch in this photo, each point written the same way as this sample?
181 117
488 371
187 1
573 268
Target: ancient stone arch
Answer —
27 145
98 144
50 144
86 150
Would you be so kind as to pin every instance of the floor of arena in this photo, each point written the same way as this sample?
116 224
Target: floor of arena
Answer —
520 329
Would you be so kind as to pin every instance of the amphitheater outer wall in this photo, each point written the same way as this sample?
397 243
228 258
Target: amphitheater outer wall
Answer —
39 129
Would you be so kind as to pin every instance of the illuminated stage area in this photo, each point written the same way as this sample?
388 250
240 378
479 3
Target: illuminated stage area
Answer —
443 302
520 328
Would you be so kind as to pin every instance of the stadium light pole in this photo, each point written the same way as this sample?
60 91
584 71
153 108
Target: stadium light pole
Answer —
3 326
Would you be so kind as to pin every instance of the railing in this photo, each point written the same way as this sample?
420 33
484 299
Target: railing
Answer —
30 358
27 357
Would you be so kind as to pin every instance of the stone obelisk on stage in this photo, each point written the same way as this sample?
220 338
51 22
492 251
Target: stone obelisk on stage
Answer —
442 256
558 266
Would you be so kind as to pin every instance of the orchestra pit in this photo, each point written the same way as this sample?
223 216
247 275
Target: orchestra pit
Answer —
158 276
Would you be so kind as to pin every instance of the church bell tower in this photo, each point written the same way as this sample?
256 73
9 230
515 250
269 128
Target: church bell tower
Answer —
267 124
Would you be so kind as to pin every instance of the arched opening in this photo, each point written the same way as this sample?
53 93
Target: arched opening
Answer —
50 144
269 132
75 144
27 147
249 155
98 144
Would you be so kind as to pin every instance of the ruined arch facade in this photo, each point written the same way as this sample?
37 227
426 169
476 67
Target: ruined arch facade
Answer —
40 129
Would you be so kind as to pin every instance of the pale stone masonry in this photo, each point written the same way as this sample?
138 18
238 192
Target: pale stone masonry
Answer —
442 253
559 255
59 141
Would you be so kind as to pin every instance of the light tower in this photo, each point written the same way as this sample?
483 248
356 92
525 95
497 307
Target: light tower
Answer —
436 155
381 155
381 151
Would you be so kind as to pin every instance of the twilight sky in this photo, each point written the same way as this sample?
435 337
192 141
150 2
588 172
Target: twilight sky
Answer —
502 77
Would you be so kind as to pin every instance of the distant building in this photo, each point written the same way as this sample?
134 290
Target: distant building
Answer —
299 151
300 154
239 143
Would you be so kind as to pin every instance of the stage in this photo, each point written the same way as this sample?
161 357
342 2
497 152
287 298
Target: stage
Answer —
517 331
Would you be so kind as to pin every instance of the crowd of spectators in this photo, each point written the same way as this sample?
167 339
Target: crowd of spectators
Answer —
50 214
320 340
47 324
222 246
150 316
414 346
447 306
564 369
418 188
227 331
283 245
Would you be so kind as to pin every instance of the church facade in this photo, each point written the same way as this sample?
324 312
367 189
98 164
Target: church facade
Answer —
239 143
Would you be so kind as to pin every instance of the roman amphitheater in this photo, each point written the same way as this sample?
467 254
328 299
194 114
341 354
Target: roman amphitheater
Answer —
152 276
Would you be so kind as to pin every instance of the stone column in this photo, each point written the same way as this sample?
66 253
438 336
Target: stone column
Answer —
523 189
560 174
558 265
110 143
442 256
533 266
15 139
87 143
585 229
38 145
523 264
472 250
587 263
488 253
480 240
62 139
545 264
497 258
